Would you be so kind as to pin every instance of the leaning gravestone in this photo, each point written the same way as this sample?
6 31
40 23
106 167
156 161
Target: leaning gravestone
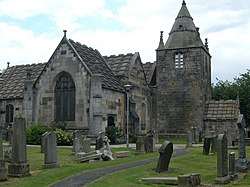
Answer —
206 146
222 160
166 151
242 162
3 170
50 150
19 166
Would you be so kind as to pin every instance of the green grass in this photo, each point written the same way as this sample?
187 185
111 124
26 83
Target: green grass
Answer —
43 177
194 162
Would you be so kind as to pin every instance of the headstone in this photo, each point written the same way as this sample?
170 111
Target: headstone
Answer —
106 150
189 180
200 136
42 142
19 166
140 148
242 162
85 157
206 146
232 172
189 139
149 143
77 134
166 151
50 150
214 144
222 161
99 141
3 170
76 145
86 145
194 134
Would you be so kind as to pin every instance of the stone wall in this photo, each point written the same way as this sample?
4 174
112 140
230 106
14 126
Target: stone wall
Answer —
182 92
63 60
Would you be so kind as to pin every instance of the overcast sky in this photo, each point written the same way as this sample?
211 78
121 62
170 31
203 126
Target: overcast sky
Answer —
30 30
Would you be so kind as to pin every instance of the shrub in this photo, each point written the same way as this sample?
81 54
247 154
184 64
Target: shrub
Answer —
34 134
58 125
113 133
63 137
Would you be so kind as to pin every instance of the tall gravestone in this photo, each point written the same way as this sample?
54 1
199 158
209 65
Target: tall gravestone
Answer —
50 150
189 139
206 146
241 162
76 145
194 134
149 143
232 170
43 141
99 141
166 151
3 170
222 160
19 166
86 145
214 144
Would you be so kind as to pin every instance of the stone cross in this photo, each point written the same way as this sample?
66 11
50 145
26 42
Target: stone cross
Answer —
241 162
3 170
222 160
166 151
50 150
206 146
19 166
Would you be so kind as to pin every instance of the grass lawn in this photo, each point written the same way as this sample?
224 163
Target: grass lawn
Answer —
194 162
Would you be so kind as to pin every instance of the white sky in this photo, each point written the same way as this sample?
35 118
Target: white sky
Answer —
30 30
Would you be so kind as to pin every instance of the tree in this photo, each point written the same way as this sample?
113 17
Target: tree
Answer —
240 86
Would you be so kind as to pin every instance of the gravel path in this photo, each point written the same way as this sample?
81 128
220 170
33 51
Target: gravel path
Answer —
90 176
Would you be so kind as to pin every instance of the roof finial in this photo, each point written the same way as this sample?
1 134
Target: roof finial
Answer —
183 3
161 44
206 43
8 64
65 31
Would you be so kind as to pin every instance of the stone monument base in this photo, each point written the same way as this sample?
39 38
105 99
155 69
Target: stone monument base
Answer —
241 165
19 170
222 180
3 174
49 166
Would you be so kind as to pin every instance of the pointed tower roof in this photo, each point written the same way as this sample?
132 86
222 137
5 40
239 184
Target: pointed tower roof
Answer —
184 33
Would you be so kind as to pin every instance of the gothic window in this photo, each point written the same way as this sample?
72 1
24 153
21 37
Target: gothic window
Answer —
65 98
178 60
9 114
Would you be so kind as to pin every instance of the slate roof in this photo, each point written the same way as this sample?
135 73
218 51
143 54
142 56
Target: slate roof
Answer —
12 79
97 65
120 64
222 110
149 69
184 32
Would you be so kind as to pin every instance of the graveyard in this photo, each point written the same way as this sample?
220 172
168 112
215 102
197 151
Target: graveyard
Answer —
213 164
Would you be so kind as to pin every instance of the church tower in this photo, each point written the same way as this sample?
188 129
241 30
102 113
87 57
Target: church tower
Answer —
183 77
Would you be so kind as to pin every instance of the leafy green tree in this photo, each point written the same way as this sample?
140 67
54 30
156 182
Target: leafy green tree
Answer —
240 86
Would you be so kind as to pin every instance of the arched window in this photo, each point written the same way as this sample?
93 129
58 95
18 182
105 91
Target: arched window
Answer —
9 114
65 97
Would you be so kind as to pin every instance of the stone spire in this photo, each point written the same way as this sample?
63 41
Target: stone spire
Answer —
161 44
184 33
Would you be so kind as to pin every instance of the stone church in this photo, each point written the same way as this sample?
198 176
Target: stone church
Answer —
80 86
